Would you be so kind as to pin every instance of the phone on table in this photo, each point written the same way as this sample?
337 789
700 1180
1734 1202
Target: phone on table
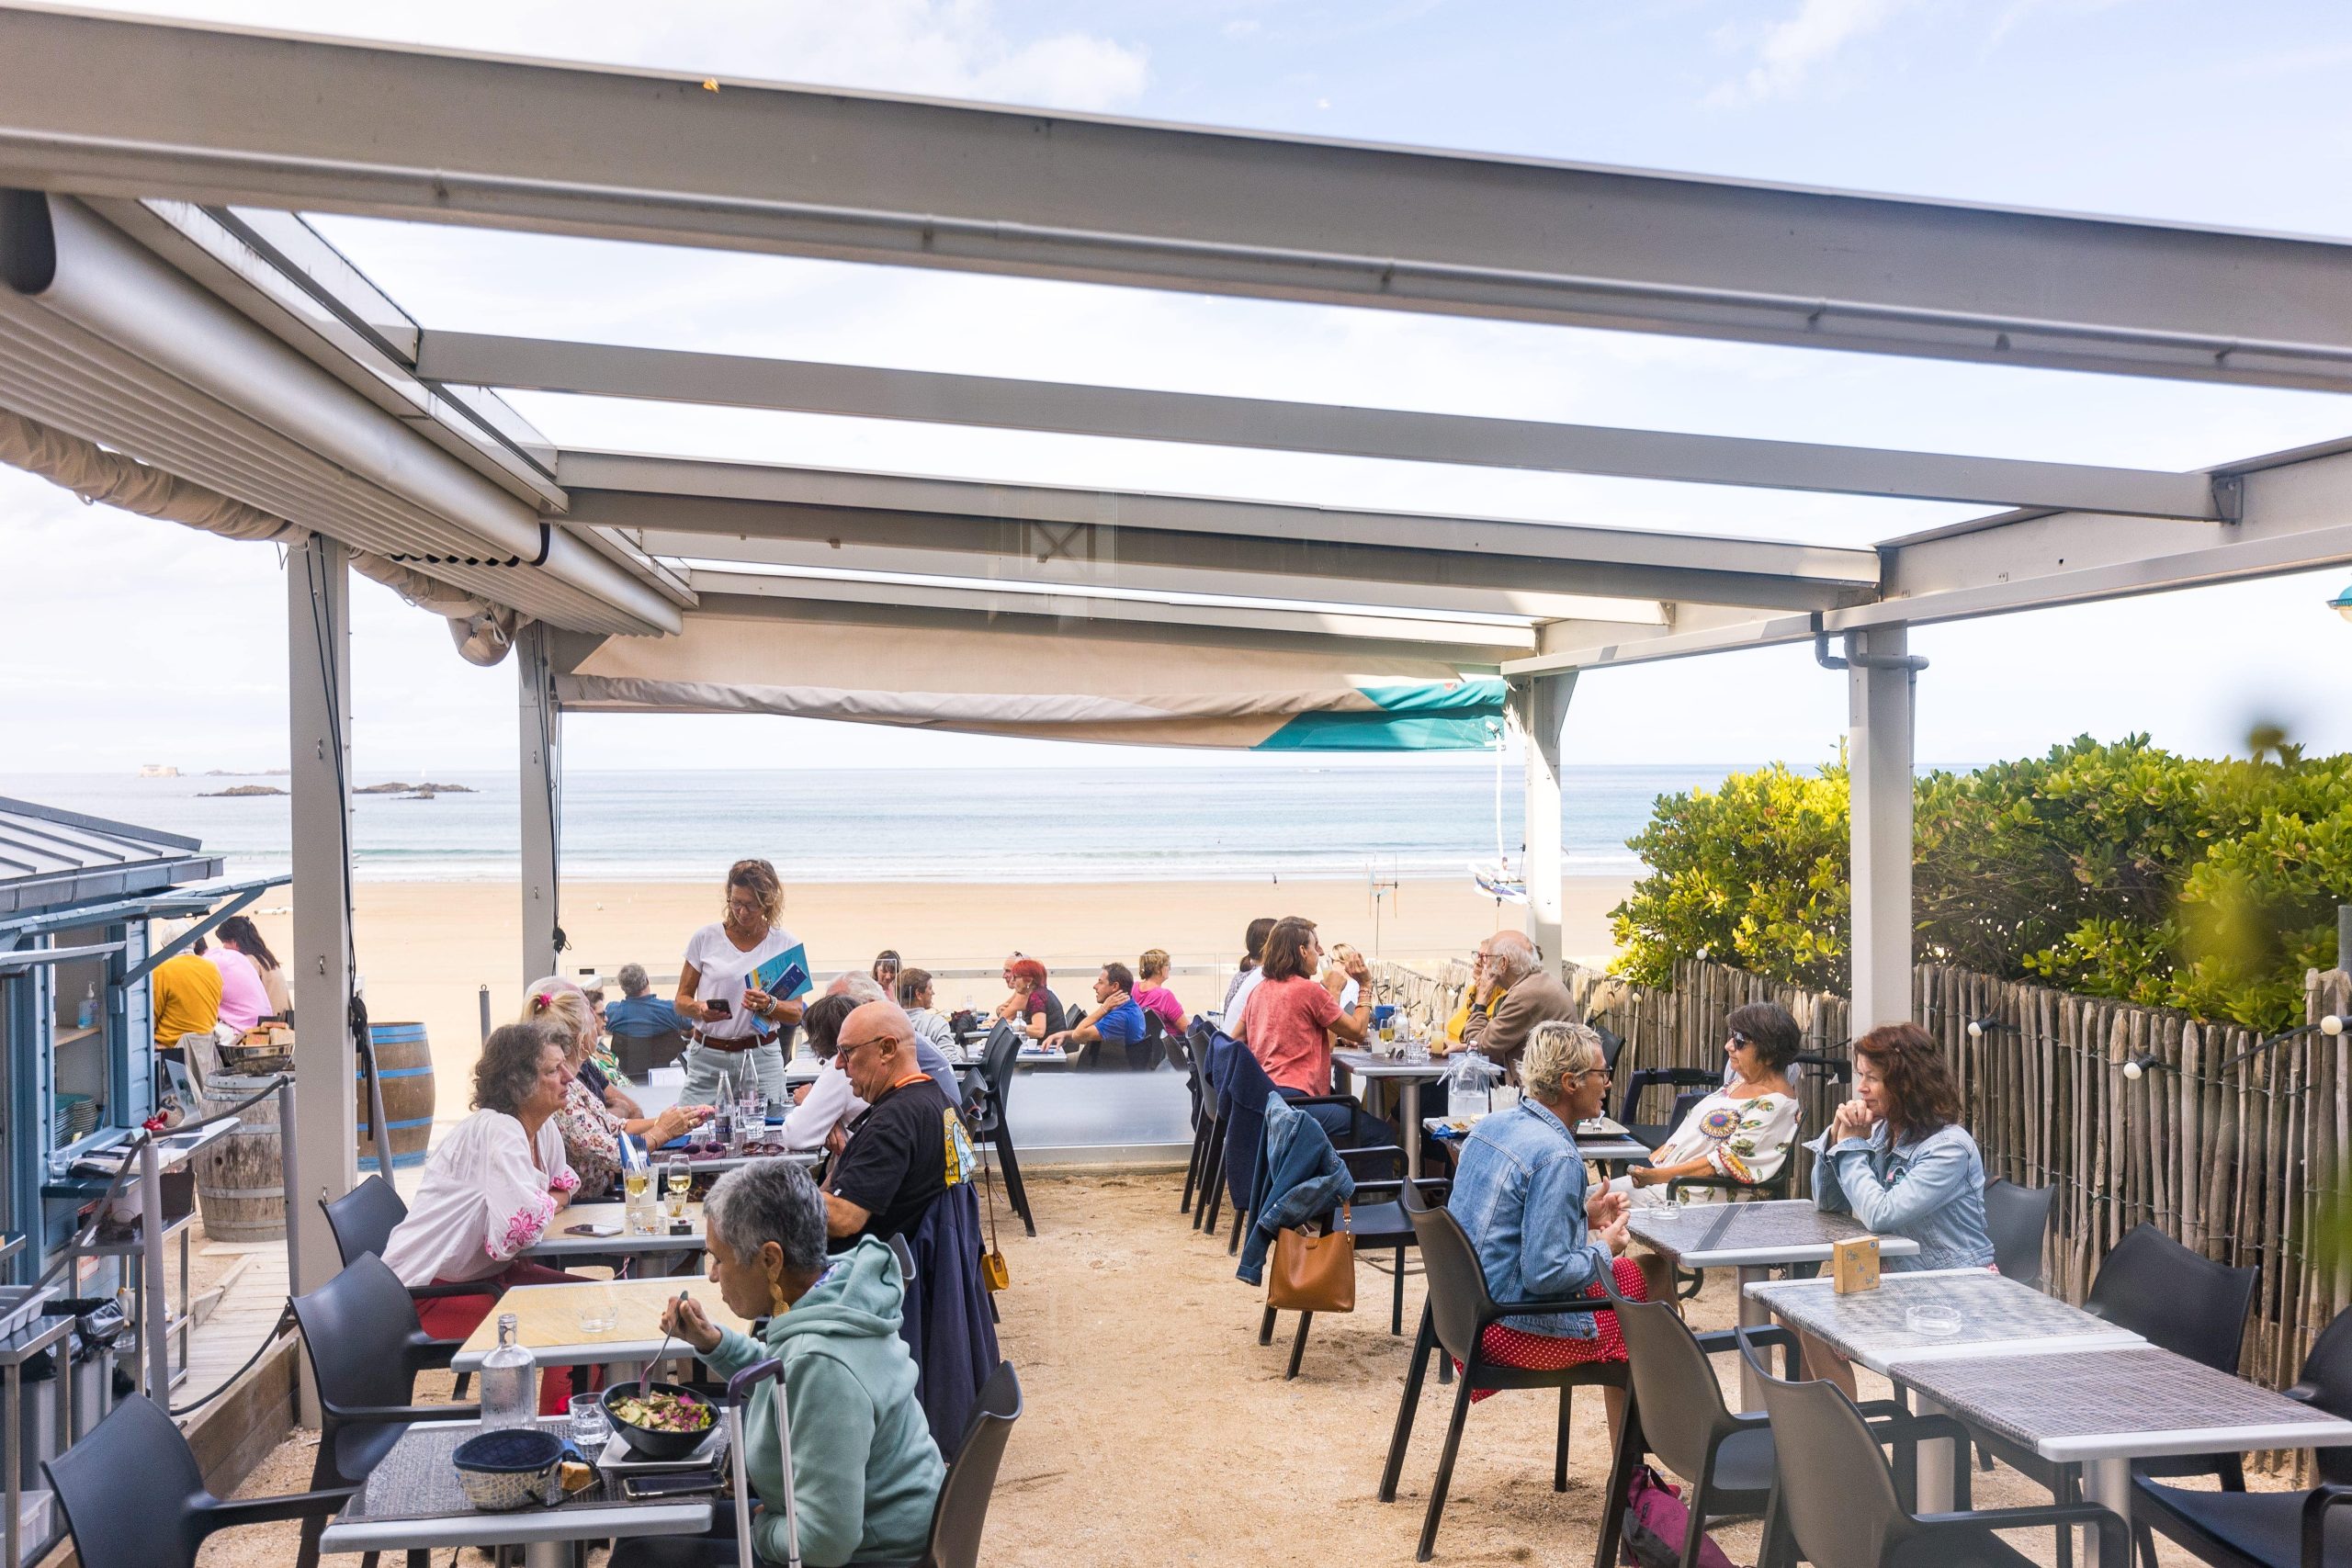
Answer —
683 1483
595 1230
720 1005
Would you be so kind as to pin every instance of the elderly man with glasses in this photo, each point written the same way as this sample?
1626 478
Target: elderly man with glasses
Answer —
909 1145
1510 993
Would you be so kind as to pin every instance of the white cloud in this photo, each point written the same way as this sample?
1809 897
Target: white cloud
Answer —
1791 51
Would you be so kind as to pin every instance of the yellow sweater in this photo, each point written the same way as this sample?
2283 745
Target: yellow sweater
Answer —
186 991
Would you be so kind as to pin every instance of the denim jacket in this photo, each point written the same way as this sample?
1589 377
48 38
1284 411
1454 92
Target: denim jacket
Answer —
1930 1189
1519 1190
1300 1178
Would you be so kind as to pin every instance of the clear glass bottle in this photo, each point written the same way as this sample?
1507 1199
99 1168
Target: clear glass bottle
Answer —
509 1392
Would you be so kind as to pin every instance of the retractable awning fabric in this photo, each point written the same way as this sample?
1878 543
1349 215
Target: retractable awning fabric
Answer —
1104 686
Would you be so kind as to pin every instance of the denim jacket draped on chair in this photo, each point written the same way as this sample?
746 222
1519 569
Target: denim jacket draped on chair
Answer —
1300 1178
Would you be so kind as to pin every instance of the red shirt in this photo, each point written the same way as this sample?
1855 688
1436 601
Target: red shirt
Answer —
1285 1022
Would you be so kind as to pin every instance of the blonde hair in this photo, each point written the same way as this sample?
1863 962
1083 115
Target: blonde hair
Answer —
558 1000
1154 962
1557 1051
758 878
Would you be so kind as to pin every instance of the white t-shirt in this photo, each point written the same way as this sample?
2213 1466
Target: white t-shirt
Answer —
724 969
1239 1001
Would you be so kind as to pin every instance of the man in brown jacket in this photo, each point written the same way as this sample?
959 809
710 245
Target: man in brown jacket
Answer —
1499 1025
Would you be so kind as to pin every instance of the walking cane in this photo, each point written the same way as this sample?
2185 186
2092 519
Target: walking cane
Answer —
739 1397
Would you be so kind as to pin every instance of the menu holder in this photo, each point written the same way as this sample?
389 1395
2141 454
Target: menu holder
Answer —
1853 1264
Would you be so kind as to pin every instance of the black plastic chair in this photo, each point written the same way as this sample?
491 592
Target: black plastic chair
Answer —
1217 1065
1692 1084
1839 1505
2018 1219
1242 1114
1197 1059
1456 1316
2175 1299
362 1222
134 1498
1677 1413
366 1347
2267 1529
999 1060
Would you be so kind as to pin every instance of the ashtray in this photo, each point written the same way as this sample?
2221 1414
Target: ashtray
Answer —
1936 1321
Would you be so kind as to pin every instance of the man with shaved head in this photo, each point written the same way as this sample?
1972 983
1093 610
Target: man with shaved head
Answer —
1509 963
908 1147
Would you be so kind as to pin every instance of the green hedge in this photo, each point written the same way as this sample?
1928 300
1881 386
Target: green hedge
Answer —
2114 870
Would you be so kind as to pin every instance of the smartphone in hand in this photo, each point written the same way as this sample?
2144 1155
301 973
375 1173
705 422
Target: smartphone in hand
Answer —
720 1007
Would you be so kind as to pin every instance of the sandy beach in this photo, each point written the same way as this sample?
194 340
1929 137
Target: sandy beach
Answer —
427 948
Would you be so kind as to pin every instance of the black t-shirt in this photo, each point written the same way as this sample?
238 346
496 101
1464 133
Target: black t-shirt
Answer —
594 1076
897 1160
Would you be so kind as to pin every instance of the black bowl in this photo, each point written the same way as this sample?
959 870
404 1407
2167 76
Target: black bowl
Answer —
646 1441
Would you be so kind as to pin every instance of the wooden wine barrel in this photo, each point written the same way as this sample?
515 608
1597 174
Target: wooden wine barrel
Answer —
404 1072
241 1178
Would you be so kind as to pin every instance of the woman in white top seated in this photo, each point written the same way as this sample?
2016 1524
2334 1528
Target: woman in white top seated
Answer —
494 1187
828 1102
1741 1133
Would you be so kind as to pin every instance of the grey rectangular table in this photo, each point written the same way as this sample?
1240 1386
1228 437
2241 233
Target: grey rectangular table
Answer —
1752 1239
1408 1077
1606 1144
1873 1328
411 1501
558 1243
2102 1409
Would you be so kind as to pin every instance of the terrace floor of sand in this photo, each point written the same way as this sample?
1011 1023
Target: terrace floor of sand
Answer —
1157 1431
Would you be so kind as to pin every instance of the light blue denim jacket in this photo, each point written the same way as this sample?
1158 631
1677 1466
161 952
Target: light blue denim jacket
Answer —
1930 1189
1519 1190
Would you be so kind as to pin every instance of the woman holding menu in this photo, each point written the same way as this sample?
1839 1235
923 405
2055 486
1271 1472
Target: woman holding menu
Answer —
738 1030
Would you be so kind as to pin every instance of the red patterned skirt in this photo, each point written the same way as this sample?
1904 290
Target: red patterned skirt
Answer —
1552 1352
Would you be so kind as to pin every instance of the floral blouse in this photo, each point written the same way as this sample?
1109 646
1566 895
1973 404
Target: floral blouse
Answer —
488 1193
591 1136
1746 1140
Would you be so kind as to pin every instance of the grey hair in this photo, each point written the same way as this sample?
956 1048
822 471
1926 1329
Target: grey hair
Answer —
1517 955
769 1200
858 986
1558 1050
634 980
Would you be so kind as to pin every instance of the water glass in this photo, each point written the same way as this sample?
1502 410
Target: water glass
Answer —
1417 1050
589 1429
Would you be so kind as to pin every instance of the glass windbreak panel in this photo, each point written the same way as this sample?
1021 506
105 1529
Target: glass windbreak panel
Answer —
85 1090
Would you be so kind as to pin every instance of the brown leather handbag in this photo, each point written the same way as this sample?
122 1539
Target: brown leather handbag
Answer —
1314 1273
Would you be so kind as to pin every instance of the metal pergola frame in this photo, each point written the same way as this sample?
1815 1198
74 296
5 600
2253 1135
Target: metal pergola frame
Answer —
165 300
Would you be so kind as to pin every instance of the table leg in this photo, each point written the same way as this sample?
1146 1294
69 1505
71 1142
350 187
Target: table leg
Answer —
2108 1482
1753 1314
547 1554
1935 1462
1411 1117
14 1461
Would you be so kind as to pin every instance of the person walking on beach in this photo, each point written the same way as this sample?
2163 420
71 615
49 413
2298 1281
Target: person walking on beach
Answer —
738 1030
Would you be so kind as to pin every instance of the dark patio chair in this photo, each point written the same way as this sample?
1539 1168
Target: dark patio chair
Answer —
2018 1218
1692 1085
1677 1413
362 1222
1196 1060
999 1062
1455 1319
1241 1118
2174 1298
1839 1505
2267 1529
134 1498
366 1347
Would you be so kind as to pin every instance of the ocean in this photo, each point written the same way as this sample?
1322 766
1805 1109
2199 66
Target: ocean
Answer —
1347 820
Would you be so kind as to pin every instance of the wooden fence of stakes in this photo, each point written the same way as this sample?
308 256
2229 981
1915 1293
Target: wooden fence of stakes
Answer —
2238 1157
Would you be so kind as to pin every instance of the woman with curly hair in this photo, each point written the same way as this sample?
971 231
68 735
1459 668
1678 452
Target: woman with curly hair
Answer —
591 1127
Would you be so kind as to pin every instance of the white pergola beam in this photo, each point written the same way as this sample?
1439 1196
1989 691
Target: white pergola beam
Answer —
216 114
749 500
1129 413
983 569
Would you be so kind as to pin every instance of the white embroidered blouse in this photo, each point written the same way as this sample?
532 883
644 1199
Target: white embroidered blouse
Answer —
483 1200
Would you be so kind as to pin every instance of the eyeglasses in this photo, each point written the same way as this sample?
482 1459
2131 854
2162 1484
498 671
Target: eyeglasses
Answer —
842 1049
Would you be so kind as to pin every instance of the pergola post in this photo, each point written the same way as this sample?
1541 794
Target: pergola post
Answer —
1539 710
1880 678
542 773
318 686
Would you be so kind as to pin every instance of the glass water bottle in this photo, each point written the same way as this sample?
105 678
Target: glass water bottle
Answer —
508 1389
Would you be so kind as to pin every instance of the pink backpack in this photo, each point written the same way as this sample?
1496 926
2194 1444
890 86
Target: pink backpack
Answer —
1656 1522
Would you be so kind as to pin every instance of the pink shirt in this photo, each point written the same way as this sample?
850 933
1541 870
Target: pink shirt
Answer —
1286 1023
1161 1000
244 998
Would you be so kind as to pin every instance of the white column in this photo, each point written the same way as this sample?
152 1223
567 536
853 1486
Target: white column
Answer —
1539 710
542 768
318 688
1879 725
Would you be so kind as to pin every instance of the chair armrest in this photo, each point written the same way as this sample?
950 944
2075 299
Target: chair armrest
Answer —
2108 1523
462 1288
2317 1503
386 1414
423 1353
233 1513
1715 1341
1389 1152
1552 1305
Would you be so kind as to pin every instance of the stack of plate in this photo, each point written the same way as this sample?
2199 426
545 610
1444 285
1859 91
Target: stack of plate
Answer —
76 1118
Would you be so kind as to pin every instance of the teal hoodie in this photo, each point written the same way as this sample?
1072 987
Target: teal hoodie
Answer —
865 1473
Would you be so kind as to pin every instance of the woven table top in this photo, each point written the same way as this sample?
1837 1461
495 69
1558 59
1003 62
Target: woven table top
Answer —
2040 1401
417 1480
1871 1327
1722 1230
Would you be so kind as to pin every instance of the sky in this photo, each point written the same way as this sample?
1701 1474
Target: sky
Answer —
127 641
